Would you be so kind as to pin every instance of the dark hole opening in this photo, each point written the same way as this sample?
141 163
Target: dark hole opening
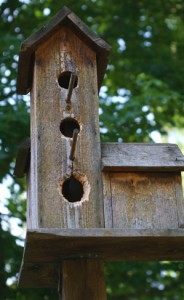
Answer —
67 127
64 80
72 189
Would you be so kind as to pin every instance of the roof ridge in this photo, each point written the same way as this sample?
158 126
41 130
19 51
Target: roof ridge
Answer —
29 46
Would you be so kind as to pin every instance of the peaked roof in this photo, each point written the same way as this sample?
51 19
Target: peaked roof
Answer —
29 46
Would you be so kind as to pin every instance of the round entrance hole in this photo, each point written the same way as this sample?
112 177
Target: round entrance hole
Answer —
64 80
67 127
72 189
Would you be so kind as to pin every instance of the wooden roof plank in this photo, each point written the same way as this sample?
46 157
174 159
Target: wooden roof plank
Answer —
40 35
150 157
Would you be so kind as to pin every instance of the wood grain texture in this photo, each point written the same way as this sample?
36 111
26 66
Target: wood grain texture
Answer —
38 275
54 245
31 44
145 200
83 279
50 164
141 157
107 200
118 157
180 201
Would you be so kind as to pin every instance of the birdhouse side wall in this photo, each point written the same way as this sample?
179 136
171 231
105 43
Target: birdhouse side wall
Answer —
143 200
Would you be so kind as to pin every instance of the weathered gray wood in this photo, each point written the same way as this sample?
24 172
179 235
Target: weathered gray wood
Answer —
50 163
141 157
101 48
136 157
180 201
30 45
83 279
54 245
107 200
145 200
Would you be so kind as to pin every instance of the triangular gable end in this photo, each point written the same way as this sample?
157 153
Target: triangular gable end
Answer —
29 46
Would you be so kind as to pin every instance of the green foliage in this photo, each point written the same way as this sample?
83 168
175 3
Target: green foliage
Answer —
145 280
142 92
133 117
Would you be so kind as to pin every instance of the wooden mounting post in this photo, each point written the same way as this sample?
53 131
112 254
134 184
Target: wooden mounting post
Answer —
82 279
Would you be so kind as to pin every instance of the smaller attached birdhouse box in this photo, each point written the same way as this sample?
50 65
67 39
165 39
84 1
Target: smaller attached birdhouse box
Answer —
87 199
142 186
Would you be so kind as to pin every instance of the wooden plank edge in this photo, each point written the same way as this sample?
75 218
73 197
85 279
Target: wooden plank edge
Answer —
36 272
103 233
141 168
118 157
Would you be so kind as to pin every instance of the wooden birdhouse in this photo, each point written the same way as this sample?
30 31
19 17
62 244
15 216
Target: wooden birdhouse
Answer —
86 199
63 65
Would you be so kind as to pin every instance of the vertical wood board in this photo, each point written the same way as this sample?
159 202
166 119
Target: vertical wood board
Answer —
107 198
144 200
83 279
65 52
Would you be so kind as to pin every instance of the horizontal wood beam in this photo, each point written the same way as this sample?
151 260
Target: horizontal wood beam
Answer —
40 263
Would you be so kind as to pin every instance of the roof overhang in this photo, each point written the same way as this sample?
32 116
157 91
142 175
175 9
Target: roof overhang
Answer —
30 45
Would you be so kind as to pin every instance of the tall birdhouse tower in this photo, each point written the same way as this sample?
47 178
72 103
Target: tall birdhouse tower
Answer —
87 201
63 65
